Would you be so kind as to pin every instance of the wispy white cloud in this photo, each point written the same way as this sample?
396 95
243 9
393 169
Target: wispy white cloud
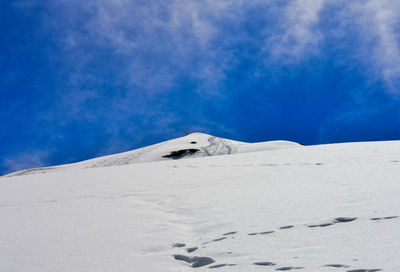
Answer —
375 24
297 35
26 160
155 42
149 47
161 40
379 23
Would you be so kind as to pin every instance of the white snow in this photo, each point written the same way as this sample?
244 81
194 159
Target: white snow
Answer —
204 144
135 216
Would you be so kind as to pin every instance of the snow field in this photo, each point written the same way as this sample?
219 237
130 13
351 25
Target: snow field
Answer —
316 208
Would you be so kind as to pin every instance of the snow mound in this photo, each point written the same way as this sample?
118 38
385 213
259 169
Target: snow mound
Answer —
190 146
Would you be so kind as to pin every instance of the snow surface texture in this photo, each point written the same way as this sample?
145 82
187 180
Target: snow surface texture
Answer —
314 208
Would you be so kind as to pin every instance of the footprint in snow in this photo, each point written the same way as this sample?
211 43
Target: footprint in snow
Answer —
220 265
344 219
287 227
215 240
191 249
321 225
335 221
178 245
266 232
219 239
229 233
337 265
364 270
265 263
383 218
195 261
286 268
260 233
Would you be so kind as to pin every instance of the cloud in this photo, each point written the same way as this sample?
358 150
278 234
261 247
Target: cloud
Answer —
373 26
157 42
298 35
132 60
379 20
149 45
23 161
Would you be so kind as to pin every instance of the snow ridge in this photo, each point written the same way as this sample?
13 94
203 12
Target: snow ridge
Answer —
190 146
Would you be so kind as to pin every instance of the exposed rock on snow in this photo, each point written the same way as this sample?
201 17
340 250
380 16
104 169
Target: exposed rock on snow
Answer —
181 153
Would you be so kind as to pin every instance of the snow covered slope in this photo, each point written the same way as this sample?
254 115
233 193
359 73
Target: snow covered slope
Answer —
192 145
313 208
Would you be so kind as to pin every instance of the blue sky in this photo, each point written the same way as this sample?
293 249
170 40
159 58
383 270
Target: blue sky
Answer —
80 79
